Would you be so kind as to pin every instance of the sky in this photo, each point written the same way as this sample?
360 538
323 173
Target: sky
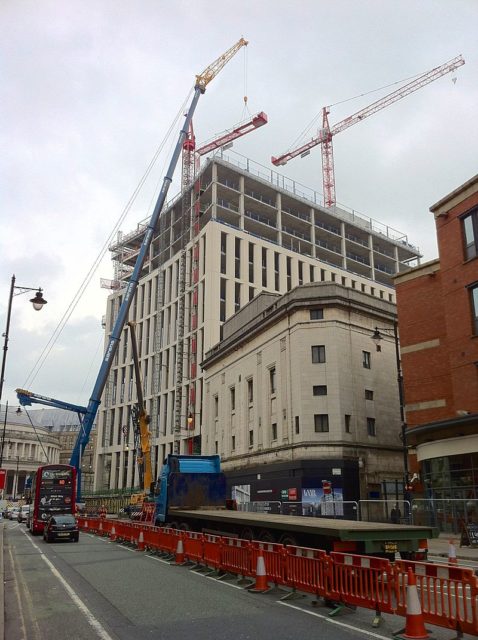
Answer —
91 88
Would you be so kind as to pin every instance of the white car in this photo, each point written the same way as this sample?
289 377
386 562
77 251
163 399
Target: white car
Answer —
23 513
13 514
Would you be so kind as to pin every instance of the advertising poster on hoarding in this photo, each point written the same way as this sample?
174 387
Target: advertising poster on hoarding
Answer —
316 503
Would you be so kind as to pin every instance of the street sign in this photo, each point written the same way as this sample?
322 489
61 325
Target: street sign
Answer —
3 477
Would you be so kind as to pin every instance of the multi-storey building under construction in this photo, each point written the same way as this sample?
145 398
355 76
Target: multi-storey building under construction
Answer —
237 230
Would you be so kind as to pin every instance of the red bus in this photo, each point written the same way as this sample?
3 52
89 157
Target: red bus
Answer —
53 491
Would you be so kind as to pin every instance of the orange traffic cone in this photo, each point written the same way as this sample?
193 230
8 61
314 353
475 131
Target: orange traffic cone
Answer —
261 585
113 533
86 524
101 526
414 625
179 556
452 559
141 541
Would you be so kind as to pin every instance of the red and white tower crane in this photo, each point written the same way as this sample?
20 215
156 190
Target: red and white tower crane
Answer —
325 135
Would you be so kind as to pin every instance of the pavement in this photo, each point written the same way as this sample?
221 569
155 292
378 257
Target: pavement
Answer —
2 587
440 547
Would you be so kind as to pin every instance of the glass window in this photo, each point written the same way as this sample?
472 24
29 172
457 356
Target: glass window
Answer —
366 359
233 398
470 232
316 314
474 308
347 423
251 438
216 406
321 422
297 424
272 380
274 431
371 427
368 394
250 391
318 353
320 390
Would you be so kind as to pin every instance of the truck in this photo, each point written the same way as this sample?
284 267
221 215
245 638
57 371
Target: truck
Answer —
191 495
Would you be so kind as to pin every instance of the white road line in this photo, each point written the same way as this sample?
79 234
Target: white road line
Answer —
92 621
337 622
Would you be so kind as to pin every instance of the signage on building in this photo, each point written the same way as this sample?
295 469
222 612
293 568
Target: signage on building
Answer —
3 477
293 494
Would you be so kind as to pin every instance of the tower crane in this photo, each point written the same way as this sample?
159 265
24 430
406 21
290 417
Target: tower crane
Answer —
202 80
325 135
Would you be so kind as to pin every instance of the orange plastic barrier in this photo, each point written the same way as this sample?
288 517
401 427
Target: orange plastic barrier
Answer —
193 546
236 557
448 594
212 551
308 570
362 581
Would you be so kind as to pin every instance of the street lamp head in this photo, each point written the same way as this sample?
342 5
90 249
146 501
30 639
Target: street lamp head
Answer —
38 301
376 336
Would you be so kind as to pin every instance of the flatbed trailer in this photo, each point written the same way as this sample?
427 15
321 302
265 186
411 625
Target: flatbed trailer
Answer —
325 533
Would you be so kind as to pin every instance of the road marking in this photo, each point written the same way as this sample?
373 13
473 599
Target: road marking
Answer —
337 622
92 621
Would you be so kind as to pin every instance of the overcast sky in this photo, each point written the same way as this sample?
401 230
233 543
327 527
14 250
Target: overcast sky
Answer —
90 89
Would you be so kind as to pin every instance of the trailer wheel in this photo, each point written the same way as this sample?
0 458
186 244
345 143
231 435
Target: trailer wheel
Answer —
247 534
266 536
288 540
184 526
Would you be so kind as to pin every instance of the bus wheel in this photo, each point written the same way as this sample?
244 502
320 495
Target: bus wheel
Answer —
184 526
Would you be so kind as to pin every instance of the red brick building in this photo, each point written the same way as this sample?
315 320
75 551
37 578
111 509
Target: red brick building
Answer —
437 305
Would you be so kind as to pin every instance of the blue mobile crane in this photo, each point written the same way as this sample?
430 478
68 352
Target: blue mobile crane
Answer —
89 413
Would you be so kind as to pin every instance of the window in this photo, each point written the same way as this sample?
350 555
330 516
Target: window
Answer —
233 398
366 359
321 422
233 442
272 380
474 307
347 423
237 296
216 406
316 314
276 271
301 273
251 438
368 394
470 231
251 293
371 427
274 431
237 258
264 267
318 353
250 391
289 273
297 424
223 252
320 390
251 262
222 303
312 273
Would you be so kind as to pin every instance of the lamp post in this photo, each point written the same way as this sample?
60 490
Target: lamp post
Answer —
38 303
190 438
377 337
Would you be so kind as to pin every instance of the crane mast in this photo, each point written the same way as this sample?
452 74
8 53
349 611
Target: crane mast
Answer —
325 135
202 80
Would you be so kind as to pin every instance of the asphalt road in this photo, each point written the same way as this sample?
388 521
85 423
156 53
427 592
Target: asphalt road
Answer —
98 589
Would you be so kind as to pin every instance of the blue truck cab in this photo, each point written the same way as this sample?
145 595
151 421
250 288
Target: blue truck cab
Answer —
189 482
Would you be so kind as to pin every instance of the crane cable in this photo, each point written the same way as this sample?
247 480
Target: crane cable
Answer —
302 135
87 279
245 110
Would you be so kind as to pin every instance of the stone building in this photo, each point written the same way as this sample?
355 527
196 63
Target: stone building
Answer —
240 230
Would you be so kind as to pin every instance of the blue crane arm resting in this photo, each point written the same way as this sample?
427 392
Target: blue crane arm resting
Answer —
95 399
27 398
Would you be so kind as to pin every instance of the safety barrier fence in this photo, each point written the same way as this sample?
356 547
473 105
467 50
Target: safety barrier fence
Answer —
448 594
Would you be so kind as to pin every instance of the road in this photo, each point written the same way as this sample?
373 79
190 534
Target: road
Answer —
98 589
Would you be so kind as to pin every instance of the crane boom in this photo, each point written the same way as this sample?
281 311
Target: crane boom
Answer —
259 120
202 81
142 419
325 134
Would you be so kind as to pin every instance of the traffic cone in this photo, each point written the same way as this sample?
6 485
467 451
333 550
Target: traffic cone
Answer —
140 541
414 623
261 585
86 524
452 559
179 556
113 533
101 527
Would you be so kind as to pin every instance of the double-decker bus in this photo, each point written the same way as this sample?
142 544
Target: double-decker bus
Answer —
53 491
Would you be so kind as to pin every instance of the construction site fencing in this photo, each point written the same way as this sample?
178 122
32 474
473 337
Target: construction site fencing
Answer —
448 594
448 515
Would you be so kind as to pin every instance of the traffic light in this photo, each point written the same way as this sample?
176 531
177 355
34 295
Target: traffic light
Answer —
326 487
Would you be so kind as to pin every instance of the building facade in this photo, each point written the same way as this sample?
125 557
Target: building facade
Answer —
296 395
240 230
23 448
438 317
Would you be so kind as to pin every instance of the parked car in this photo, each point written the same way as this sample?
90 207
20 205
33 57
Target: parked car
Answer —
13 514
23 513
61 527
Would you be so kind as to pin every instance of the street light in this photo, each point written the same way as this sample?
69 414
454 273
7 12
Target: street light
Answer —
38 303
377 337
